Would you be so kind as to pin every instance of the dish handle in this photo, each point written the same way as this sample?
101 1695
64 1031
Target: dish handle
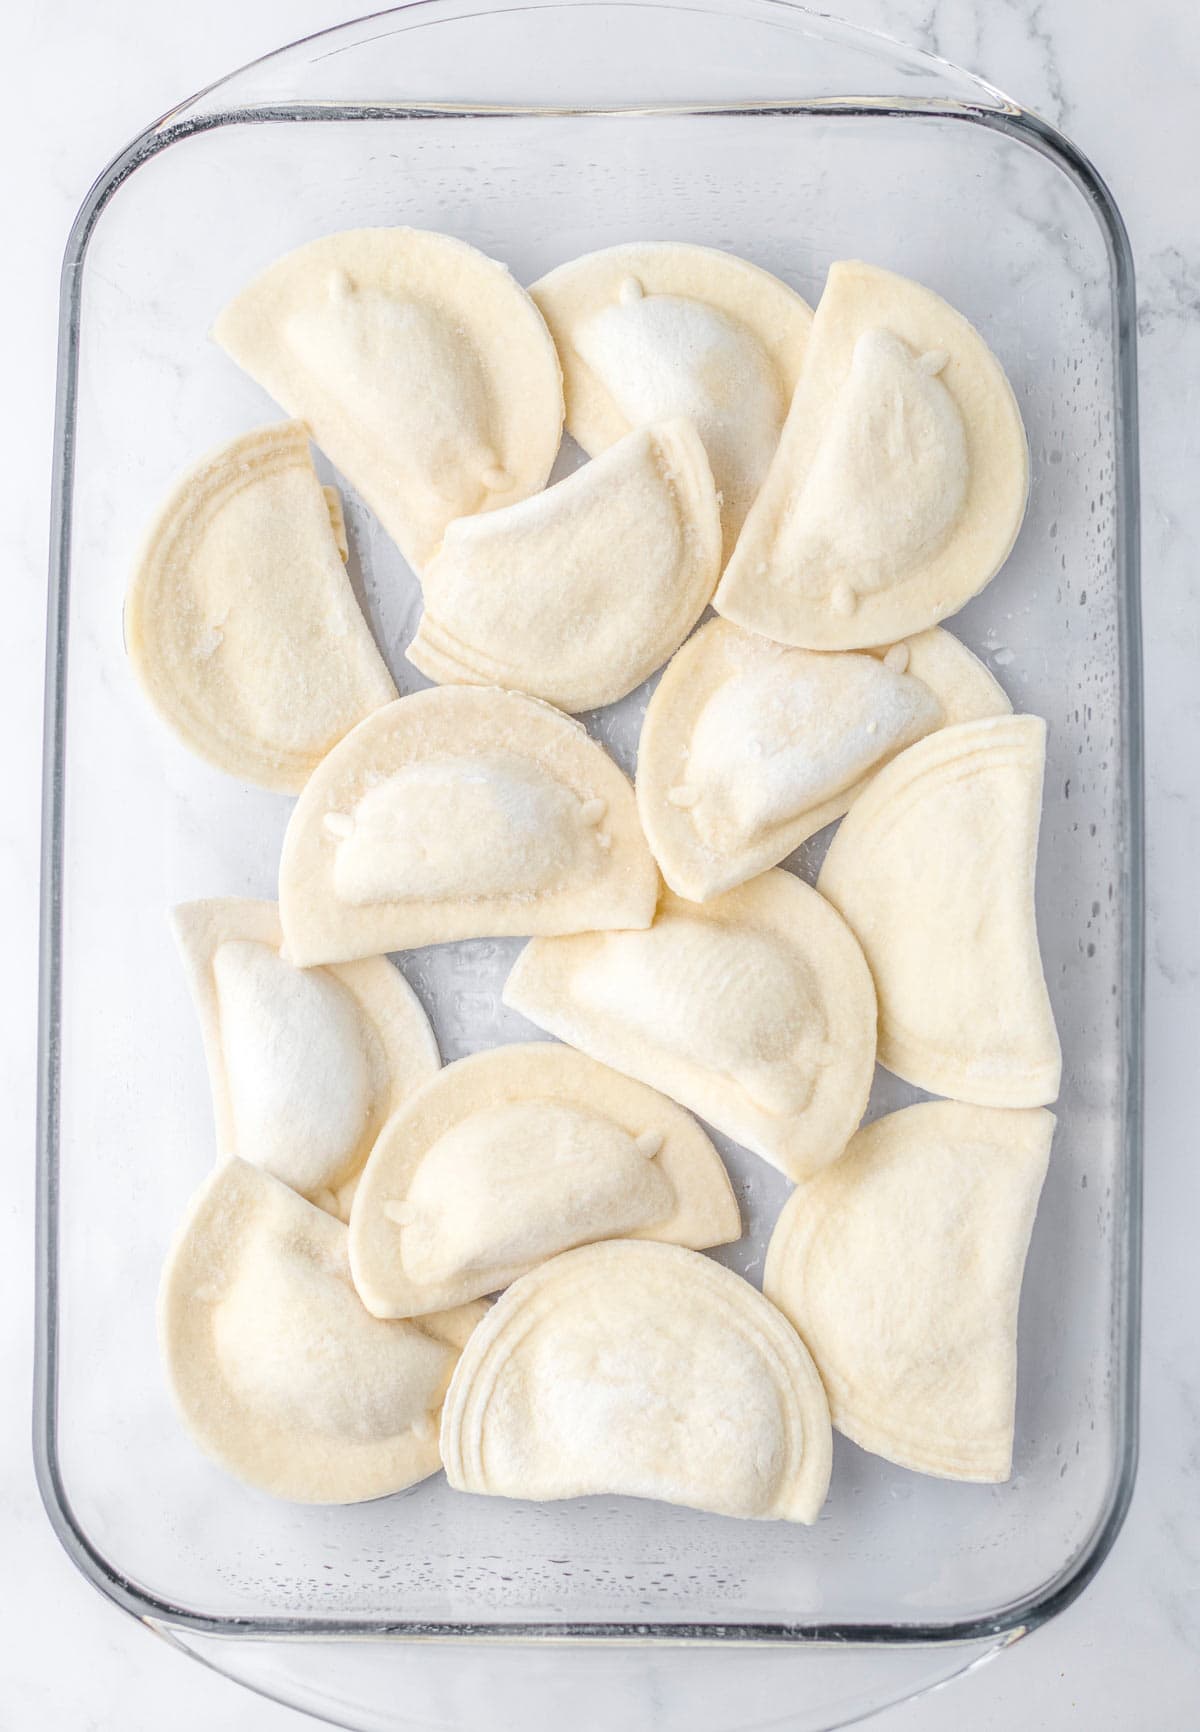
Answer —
447 1686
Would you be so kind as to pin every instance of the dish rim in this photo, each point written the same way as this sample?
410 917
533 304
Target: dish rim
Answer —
992 111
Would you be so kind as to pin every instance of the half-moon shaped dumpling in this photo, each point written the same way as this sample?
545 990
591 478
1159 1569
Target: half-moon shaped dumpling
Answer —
645 1370
306 1065
748 748
755 1009
933 869
901 1269
900 480
461 812
578 594
240 620
515 1154
422 369
278 1371
657 329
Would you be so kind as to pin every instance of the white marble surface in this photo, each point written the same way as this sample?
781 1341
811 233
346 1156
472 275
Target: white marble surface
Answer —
1122 81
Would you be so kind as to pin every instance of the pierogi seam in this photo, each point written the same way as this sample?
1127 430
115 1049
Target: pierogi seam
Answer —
397 1041
700 1209
566 1287
1016 1062
492 381
539 595
302 1455
762 591
545 985
198 682
605 877
700 857
877 1229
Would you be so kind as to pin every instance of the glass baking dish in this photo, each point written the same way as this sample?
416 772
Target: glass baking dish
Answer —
537 133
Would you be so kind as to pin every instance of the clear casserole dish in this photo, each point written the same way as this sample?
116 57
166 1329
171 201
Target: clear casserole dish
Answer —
538 133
